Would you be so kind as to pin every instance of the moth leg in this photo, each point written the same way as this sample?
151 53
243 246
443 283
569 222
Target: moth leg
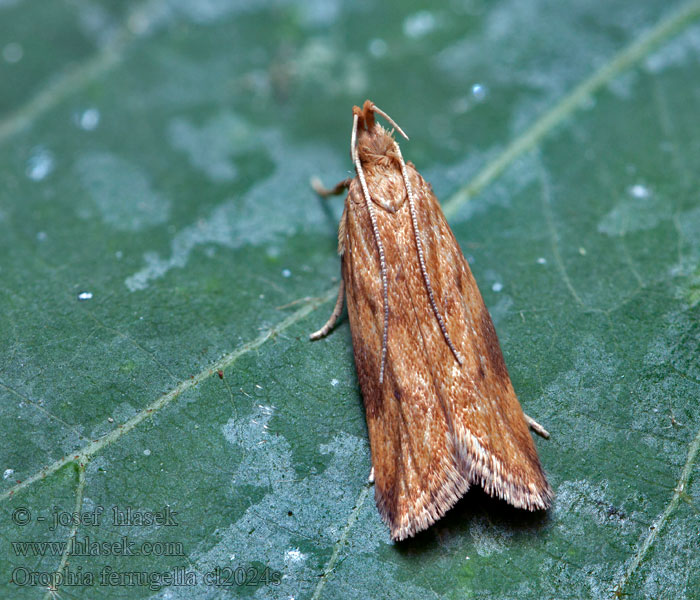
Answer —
536 427
334 315
339 188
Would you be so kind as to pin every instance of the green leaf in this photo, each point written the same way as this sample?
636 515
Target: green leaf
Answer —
157 228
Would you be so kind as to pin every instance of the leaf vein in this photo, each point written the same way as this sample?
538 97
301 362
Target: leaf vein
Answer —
623 60
77 77
658 524
85 454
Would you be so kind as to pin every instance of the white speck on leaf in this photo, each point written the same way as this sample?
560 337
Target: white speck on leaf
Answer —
419 24
479 92
294 555
89 119
40 164
639 191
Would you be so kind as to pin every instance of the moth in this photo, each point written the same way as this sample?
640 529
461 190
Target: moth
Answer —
441 411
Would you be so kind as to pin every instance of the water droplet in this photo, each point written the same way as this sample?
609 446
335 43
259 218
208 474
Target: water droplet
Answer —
89 119
419 24
377 47
146 452
40 164
497 287
334 382
542 260
41 236
85 296
479 92
286 273
118 254
8 473
639 191
13 52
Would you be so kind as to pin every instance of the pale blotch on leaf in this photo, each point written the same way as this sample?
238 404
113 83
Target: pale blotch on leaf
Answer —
244 220
319 501
12 52
640 210
213 146
121 192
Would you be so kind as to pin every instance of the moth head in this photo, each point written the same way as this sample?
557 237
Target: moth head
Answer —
372 142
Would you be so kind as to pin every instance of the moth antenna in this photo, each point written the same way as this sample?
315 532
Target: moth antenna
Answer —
353 137
378 110
378 239
421 258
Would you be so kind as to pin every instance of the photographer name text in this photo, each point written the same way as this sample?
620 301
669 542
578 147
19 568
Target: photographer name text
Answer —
114 515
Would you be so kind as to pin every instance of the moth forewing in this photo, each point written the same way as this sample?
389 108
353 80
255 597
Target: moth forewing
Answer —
441 410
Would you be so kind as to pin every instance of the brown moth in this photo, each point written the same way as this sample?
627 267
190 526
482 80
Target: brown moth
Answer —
441 410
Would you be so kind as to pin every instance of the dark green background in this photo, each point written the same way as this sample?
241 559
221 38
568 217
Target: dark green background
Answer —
156 154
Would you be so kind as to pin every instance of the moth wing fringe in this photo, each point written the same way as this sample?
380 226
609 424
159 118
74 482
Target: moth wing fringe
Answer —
482 468
453 487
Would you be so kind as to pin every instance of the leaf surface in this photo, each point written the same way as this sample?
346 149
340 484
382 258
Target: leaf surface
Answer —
157 228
